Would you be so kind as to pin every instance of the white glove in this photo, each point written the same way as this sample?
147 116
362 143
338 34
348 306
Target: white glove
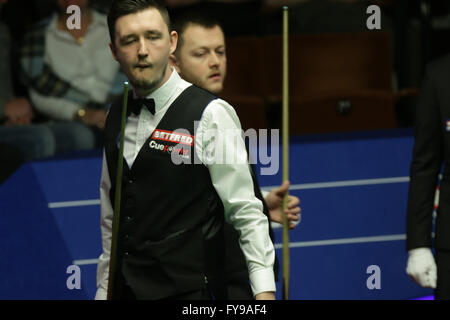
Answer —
421 267
277 225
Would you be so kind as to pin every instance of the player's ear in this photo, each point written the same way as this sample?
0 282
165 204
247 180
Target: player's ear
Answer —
174 62
173 41
113 51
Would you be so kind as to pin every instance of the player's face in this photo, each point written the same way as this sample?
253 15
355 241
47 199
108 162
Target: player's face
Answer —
202 59
142 47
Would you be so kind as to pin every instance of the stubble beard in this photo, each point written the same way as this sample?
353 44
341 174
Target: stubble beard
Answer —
144 87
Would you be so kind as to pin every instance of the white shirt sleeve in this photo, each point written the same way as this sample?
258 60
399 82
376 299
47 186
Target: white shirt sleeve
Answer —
53 107
220 146
107 214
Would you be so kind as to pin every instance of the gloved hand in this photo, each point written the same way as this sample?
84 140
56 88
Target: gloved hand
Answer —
421 267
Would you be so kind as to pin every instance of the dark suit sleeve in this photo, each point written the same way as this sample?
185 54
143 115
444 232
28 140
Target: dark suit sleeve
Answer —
426 164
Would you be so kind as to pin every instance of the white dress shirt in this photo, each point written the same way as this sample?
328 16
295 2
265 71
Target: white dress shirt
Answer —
232 182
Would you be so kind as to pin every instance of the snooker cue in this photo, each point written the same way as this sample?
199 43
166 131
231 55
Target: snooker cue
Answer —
116 217
285 133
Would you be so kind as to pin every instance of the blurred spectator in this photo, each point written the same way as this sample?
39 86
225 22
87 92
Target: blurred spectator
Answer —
71 75
12 110
101 6
19 141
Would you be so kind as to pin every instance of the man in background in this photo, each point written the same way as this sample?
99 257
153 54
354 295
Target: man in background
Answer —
200 58
20 140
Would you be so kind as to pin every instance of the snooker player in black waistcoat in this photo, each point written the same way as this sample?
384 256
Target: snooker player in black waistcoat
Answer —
201 59
170 241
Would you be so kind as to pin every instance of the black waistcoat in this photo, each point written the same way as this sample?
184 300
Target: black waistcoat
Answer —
171 227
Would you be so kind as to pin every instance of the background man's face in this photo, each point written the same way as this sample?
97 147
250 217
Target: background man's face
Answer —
142 47
202 59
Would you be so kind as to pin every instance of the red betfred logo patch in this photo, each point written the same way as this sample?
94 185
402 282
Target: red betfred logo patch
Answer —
172 136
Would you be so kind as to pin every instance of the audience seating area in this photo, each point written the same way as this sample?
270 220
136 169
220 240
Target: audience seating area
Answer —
337 82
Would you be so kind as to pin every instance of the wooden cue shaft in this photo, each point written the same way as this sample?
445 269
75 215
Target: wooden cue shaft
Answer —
116 218
285 128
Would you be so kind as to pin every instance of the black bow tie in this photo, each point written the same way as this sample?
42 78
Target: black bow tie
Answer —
135 105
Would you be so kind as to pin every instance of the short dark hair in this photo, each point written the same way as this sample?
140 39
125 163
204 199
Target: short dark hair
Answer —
120 8
191 17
